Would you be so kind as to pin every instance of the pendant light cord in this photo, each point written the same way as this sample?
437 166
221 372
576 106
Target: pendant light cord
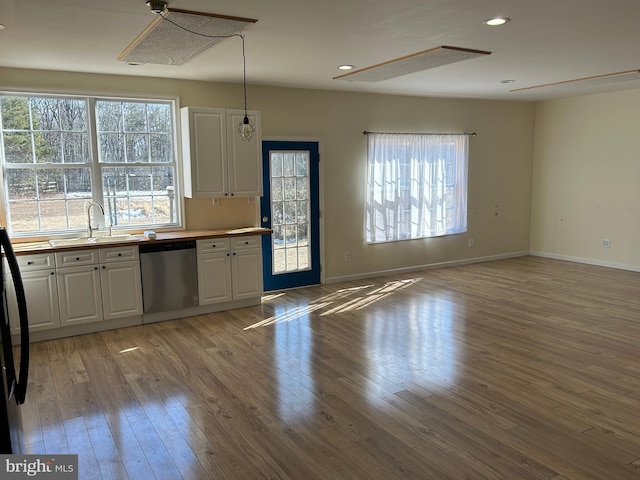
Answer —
244 57
244 75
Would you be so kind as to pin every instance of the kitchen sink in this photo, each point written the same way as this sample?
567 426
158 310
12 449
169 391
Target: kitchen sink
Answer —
70 242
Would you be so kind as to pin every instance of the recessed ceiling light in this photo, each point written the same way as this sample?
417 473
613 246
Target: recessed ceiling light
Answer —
1 26
135 64
345 67
507 81
497 21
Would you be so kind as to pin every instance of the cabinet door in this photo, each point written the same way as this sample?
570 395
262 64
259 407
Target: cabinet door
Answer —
79 295
41 292
121 290
245 157
204 152
214 278
246 273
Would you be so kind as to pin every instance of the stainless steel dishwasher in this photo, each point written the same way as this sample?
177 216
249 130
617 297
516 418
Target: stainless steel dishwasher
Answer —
169 275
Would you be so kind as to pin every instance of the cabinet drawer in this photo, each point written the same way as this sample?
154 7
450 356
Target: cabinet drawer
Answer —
212 245
76 257
119 254
245 243
38 261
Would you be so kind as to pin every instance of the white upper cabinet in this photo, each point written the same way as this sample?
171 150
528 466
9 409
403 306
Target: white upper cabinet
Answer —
204 152
245 156
217 161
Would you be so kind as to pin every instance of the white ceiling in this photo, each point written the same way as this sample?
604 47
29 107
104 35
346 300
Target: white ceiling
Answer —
300 43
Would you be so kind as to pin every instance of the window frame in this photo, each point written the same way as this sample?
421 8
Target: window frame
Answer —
94 164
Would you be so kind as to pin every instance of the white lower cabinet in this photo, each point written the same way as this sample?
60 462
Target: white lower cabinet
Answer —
214 271
72 288
121 289
41 292
229 269
102 284
79 294
246 268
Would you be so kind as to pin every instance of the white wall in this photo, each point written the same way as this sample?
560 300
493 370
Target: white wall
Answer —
499 171
586 179
499 178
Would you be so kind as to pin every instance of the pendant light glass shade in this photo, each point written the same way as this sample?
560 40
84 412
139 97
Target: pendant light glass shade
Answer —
246 128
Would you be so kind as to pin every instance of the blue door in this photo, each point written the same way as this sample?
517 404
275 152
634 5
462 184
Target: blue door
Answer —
290 206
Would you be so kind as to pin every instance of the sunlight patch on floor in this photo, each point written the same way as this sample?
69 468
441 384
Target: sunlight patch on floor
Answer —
340 301
130 349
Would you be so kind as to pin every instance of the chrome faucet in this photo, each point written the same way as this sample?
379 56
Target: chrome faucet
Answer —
89 227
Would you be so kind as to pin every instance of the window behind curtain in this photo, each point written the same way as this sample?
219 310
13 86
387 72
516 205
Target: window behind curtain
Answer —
52 166
416 186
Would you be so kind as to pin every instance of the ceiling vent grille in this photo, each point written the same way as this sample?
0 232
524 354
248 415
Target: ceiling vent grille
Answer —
166 43
417 62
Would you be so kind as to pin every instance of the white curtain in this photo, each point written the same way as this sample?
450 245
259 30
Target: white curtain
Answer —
416 186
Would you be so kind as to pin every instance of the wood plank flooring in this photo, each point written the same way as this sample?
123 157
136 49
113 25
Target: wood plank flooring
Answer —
519 369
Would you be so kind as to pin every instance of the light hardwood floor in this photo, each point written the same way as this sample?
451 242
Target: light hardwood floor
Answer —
519 369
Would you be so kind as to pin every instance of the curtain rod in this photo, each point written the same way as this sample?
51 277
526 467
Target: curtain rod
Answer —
473 134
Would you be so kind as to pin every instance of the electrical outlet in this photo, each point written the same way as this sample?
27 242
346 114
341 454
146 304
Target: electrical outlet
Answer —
347 256
472 243
606 243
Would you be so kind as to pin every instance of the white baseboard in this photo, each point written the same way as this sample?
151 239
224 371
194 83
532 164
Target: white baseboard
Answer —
588 261
92 327
103 325
415 268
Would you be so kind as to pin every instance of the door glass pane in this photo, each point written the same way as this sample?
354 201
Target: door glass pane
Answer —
289 211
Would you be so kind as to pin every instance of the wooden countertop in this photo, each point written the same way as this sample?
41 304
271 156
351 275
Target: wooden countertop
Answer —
45 247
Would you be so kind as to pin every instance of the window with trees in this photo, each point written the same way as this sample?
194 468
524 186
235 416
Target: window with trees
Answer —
416 186
60 152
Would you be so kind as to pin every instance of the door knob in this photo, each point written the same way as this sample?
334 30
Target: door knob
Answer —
265 219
